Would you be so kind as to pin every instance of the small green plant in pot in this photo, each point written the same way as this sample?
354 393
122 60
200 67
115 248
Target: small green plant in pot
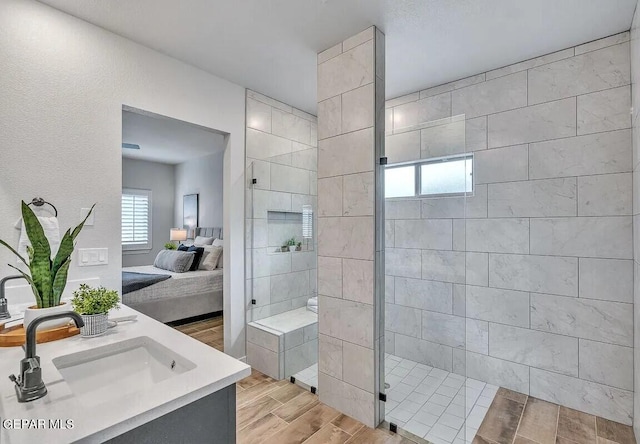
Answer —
291 244
47 276
93 304
170 246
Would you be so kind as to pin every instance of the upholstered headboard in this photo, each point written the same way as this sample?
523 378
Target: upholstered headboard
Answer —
209 232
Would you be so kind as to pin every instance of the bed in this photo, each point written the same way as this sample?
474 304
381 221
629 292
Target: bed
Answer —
183 295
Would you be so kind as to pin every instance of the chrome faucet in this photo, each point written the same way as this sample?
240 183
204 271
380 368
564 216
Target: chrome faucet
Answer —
29 384
4 311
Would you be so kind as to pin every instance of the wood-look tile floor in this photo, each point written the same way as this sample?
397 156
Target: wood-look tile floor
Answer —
278 412
514 418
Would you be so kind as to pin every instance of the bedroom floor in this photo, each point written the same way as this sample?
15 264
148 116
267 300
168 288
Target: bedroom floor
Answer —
210 331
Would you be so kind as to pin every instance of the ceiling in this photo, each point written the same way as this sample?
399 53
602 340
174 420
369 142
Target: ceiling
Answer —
270 45
167 140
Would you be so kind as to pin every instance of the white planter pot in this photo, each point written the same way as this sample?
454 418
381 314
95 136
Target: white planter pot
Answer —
94 325
31 313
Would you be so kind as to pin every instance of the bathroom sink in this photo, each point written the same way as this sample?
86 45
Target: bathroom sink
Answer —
112 371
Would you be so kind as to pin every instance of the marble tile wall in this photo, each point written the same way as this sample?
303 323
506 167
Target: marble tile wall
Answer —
350 139
527 284
635 103
282 153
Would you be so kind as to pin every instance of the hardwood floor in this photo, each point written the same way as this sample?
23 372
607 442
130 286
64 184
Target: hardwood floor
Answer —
521 419
278 412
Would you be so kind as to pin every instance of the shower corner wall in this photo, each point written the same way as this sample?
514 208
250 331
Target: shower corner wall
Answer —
281 196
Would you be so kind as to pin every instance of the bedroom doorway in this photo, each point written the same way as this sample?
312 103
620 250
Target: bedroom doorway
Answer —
172 223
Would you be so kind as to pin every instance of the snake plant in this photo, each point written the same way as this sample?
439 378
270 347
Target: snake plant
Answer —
47 276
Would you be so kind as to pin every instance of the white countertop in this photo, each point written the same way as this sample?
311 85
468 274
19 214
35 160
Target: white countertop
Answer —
214 371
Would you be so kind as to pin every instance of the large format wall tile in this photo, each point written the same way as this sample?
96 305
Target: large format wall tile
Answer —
491 97
346 320
424 233
477 268
358 108
605 195
606 279
503 306
348 237
261 145
425 352
330 276
443 329
546 121
329 117
358 194
603 43
403 147
547 274
457 207
402 209
403 320
605 237
330 196
446 266
422 111
330 356
475 134
348 71
477 336
498 372
497 235
534 198
604 110
358 279
258 115
346 154
353 401
531 63
354 372
501 164
291 127
443 140
607 364
425 295
610 322
403 262
534 348
289 179
590 397
593 71
581 156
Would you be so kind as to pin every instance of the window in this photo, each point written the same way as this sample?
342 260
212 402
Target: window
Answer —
136 219
434 177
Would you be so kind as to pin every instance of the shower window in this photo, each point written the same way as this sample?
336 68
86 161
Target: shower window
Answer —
448 176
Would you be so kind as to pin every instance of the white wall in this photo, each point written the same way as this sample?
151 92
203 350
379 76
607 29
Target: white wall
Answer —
64 82
201 176
160 178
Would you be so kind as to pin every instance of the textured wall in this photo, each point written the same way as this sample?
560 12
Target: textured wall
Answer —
64 84
543 254
282 156
350 125
160 178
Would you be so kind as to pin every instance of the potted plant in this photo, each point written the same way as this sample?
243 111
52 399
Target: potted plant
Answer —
299 246
170 246
291 244
93 305
47 276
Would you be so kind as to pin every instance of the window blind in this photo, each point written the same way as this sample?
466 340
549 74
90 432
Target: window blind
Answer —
136 219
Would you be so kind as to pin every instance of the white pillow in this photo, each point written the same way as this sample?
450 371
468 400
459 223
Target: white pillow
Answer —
201 240
210 257
218 243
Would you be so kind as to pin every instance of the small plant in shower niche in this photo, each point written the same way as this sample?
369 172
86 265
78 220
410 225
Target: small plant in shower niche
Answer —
299 246
289 245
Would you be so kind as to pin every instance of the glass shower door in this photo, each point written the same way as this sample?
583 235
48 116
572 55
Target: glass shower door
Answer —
428 180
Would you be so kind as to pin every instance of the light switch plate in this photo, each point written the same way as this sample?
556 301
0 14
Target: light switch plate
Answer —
90 257
83 214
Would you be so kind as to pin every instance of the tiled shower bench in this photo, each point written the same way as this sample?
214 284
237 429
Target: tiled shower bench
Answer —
282 345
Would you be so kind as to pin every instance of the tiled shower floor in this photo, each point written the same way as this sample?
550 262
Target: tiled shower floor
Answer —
308 376
432 403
